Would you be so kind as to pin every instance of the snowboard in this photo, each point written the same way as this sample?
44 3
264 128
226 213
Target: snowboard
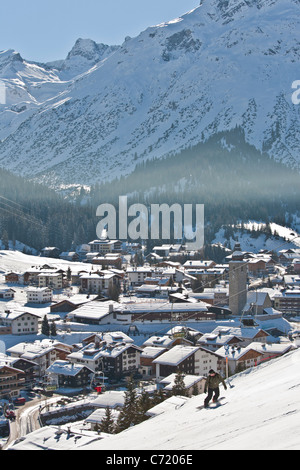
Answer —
212 404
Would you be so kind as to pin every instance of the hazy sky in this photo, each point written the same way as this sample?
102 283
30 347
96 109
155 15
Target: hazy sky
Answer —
44 30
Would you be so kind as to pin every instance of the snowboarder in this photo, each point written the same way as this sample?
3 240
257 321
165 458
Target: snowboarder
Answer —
212 386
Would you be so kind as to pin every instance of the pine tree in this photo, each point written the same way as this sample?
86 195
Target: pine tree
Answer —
113 292
53 331
179 386
45 326
5 240
158 397
128 415
107 424
143 405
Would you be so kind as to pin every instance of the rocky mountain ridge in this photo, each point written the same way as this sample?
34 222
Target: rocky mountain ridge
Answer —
104 109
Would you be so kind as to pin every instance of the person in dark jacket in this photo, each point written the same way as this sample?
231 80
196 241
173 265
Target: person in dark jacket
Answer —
212 386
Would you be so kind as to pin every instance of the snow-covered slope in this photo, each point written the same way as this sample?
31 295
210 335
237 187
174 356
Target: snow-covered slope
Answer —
261 411
223 64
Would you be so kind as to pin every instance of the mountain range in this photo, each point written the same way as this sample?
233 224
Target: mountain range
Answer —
105 109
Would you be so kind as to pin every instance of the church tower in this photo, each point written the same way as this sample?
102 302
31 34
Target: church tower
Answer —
238 272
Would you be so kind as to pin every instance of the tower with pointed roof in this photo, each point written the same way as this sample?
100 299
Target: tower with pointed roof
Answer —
238 272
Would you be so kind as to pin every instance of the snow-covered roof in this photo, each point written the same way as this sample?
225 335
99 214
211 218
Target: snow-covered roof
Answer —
111 398
188 379
164 307
31 351
176 355
56 438
13 315
272 348
170 404
240 332
66 368
213 338
95 310
98 415
152 351
159 341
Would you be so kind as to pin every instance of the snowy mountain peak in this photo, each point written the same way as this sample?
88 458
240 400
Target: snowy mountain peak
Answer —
84 54
224 64
88 49
9 59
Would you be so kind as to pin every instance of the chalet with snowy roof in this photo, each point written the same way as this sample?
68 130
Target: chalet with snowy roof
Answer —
296 265
137 275
287 301
69 256
12 277
291 280
66 374
209 277
12 380
105 246
71 303
214 341
149 353
155 291
257 302
43 353
99 282
193 360
50 252
95 313
39 295
272 350
20 322
110 337
116 358
28 367
246 334
7 294
186 332
194 384
167 250
159 310
199 264
286 257
165 341
260 265
108 261
54 280
5 330
238 358
220 294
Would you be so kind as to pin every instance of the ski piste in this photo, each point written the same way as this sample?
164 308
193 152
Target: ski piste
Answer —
213 404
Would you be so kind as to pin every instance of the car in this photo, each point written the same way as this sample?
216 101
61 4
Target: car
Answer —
19 401
10 415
